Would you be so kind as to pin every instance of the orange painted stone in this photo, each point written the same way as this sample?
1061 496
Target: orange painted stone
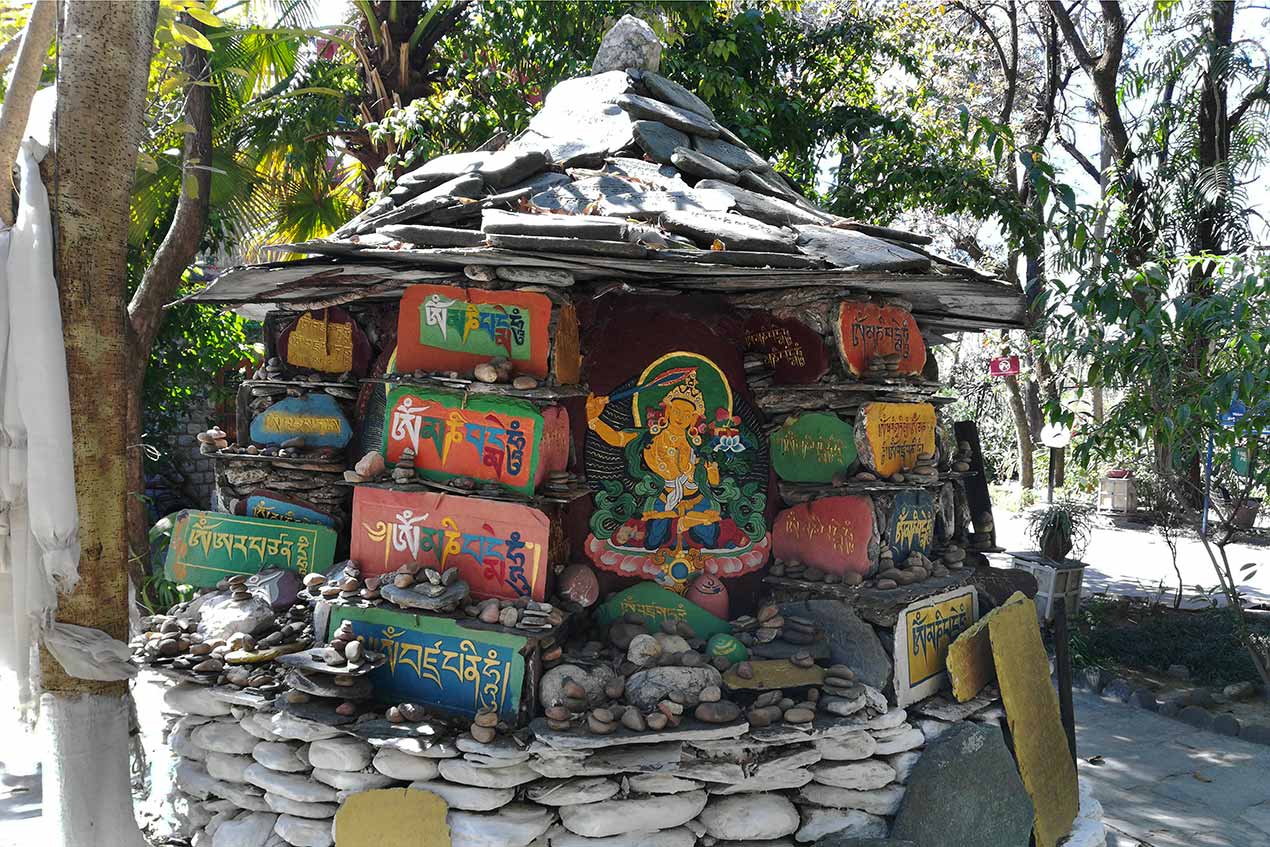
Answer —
709 592
500 548
835 534
865 330
445 328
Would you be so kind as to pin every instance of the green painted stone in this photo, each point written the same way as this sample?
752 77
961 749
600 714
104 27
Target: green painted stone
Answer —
813 447
726 646
655 604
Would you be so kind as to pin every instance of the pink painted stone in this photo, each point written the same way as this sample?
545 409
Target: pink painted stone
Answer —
579 584
834 534
709 592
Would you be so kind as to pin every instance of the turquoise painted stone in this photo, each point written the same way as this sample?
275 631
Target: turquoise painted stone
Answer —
315 417
728 647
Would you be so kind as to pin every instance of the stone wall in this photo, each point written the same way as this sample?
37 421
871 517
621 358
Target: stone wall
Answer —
255 777
198 469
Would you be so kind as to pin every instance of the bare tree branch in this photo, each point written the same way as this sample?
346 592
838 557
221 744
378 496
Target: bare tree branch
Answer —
180 244
1074 41
1081 159
17 102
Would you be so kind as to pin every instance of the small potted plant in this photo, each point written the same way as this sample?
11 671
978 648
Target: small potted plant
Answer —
1059 528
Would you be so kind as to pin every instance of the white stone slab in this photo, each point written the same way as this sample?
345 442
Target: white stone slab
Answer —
768 781
750 816
899 740
293 786
352 780
878 801
643 814
847 748
467 798
848 823
515 825
572 792
399 765
287 806
657 783
304 832
467 773
580 739
862 776
558 836
343 753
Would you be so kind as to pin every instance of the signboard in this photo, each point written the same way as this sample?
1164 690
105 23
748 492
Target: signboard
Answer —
655 604
795 352
314 417
1241 461
437 663
329 341
813 447
206 547
263 503
912 524
499 548
1004 366
497 439
923 632
865 330
834 534
890 436
445 328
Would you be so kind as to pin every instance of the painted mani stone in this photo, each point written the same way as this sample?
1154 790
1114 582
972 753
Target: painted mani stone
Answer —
865 330
329 341
444 328
912 524
206 547
680 474
924 631
727 647
813 447
655 604
890 436
795 352
437 662
834 534
709 592
497 439
263 503
500 548
316 418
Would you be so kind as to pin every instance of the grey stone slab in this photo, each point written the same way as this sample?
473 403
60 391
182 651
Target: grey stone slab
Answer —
941 708
572 246
433 236
965 790
700 165
852 641
651 174
669 91
576 198
500 168
735 231
648 205
658 140
579 133
560 226
769 210
646 108
737 158
768 182
740 259
581 739
846 248
468 186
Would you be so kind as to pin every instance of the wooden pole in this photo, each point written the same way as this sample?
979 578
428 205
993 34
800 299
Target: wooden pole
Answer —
1063 670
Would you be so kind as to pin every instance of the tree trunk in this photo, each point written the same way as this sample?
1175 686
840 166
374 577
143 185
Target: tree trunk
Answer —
103 67
1023 434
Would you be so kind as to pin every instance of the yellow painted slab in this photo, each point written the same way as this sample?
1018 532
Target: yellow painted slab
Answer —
770 674
970 664
897 434
256 657
1031 709
392 817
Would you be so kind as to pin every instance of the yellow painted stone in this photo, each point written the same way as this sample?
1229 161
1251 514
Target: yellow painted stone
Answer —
257 657
970 664
321 345
392 817
770 674
897 434
1031 709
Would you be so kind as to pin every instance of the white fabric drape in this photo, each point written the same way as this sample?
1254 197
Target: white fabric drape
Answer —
39 557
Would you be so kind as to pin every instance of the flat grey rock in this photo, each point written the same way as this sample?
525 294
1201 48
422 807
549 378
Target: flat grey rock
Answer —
514 825
571 792
638 814
750 259
467 798
700 165
646 108
578 133
579 91
433 236
651 174
845 248
735 231
407 598
818 823
629 43
560 226
646 688
737 158
580 739
658 140
769 210
852 641
753 816
965 790
647 205
320 685
467 186
669 91
500 168
680 836
768 182
575 246
576 198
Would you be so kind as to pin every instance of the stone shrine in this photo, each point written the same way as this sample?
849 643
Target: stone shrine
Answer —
555 562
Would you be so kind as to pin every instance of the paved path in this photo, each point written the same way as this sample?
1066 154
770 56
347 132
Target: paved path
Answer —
1163 783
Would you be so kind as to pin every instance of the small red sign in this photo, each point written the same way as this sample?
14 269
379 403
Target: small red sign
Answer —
1004 366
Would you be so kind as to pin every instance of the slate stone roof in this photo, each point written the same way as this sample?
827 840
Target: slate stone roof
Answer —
623 175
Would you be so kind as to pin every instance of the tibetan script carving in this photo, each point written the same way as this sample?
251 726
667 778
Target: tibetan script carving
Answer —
442 328
865 330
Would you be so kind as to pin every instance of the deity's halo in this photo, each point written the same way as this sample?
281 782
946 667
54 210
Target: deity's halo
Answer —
711 382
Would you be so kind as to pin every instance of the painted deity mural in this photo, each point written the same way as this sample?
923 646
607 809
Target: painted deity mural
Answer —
680 471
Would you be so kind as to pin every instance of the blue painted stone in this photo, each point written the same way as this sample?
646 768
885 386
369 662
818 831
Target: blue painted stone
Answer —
315 417
261 506
912 524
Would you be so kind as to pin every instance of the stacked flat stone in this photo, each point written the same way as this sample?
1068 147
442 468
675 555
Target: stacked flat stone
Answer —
237 479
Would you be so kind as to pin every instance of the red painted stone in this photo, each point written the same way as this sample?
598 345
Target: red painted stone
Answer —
709 592
833 534
794 351
580 584
865 330
500 548
444 328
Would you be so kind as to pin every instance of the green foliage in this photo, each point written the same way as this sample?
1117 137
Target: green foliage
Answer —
1061 528
1151 637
